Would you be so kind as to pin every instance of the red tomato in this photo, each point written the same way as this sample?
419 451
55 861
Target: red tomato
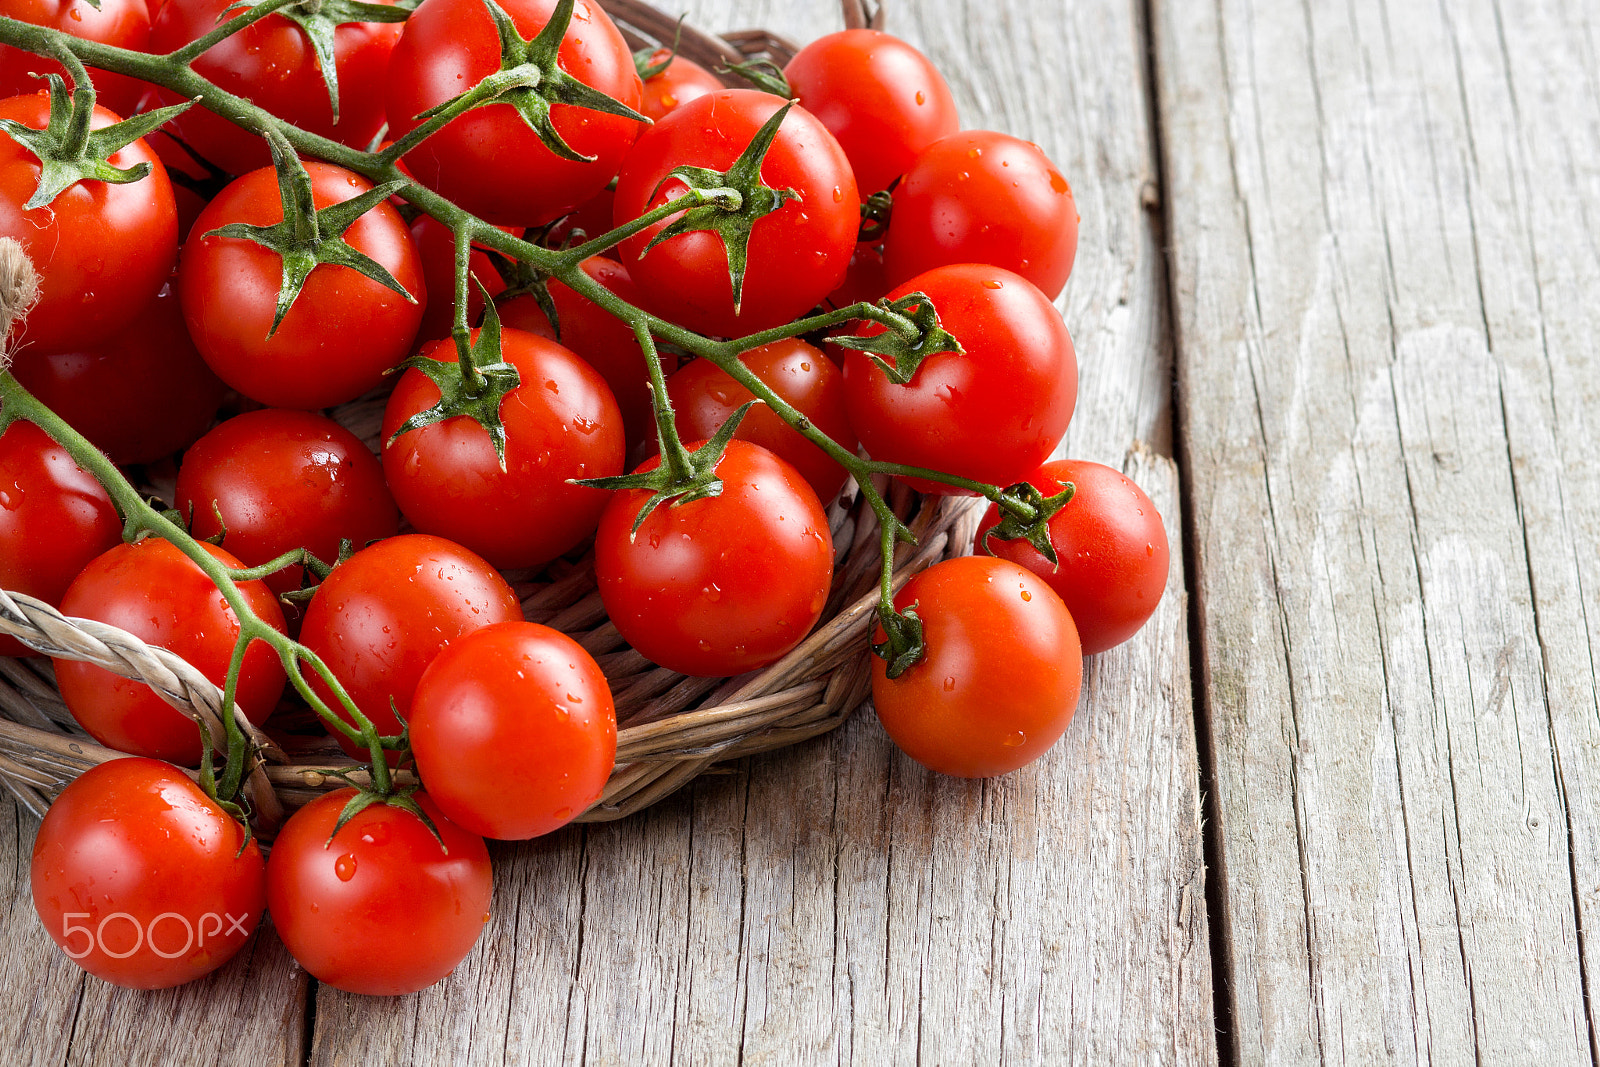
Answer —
283 480
1111 546
156 593
139 396
102 250
604 341
272 64
142 879
878 95
704 396
381 907
436 245
123 23
993 412
383 615
561 423
984 197
585 222
683 80
1001 676
724 584
514 730
343 332
54 519
489 160
797 254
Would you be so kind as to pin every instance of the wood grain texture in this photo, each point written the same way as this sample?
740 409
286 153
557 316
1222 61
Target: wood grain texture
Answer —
1383 271
835 902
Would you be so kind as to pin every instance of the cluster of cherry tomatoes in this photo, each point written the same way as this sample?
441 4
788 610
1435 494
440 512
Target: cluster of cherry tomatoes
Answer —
298 286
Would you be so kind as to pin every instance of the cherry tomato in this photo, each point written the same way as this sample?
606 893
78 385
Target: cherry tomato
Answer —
381 907
797 254
1001 676
142 879
704 396
139 396
561 423
282 480
604 341
724 584
878 95
54 519
514 730
436 246
992 412
1111 546
489 160
154 592
343 332
123 23
984 197
273 65
102 250
383 615
683 80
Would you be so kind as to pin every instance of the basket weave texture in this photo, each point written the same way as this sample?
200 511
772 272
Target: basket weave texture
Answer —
671 727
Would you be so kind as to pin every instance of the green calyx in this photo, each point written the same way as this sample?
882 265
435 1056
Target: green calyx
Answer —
471 388
70 152
403 800
530 80
308 237
875 212
524 279
319 19
916 336
902 644
737 201
763 74
678 487
1030 521
641 58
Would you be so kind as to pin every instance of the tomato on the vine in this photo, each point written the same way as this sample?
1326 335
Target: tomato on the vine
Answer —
724 584
992 412
1111 546
122 23
681 81
381 906
155 592
142 879
514 730
54 519
344 331
1001 674
383 615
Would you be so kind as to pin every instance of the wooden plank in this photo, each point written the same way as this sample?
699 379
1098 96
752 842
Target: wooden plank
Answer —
1347 183
834 901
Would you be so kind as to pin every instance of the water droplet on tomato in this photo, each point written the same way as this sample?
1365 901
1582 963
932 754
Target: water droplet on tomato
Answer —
1026 595
712 592
345 867
838 195
1058 183
1149 549
550 384
950 684
974 153
562 714
11 499
1015 740
574 699
75 15
563 814
963 176
993 283
922 97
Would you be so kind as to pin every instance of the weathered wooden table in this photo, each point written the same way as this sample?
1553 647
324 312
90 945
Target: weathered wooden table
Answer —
1333 804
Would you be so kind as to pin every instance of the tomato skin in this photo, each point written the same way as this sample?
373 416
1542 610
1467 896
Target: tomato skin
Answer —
704 396
123 23
154 592
1111 545
382 908
600 339
489 161
881 97
136 839
138 396
984 197
797 254
344 330
282 480
561 423
724 584
272 64
683 80
993 412
102 250
1001 676
514 730
383 614
54 519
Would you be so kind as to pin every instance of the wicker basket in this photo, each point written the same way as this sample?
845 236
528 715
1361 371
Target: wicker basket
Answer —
671 727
